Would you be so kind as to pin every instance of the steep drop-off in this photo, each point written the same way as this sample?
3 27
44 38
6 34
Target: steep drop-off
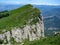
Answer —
21 24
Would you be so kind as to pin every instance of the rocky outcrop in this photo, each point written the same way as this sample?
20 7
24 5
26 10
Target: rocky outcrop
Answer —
30 32
20 25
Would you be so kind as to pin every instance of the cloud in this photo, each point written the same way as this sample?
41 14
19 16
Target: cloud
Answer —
45 4
35 2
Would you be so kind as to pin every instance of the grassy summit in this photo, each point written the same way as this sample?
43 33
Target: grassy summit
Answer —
20 17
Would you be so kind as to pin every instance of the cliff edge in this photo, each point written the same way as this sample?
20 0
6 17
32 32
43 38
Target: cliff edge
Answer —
22 23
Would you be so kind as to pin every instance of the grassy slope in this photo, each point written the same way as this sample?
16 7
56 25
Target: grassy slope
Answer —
53 40
19 17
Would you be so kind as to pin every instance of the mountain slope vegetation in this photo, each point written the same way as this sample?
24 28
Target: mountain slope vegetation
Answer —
19 17
52 40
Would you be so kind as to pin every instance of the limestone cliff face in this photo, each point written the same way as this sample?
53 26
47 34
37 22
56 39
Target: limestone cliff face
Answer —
27 25
30 32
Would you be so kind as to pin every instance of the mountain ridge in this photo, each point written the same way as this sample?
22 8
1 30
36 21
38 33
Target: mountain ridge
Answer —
21 24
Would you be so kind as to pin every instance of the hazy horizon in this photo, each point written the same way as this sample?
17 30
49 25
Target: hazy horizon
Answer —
34 2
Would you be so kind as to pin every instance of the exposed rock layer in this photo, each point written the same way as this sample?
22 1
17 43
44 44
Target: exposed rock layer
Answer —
32 29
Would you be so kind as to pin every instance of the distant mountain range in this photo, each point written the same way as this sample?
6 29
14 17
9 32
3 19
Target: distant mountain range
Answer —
52 23
51 16
50 13
9 7
49 10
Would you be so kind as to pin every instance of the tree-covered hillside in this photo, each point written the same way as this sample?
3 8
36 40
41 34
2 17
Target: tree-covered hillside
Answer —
4 14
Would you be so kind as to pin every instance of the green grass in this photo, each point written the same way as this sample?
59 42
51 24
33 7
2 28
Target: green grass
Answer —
53 40
20 17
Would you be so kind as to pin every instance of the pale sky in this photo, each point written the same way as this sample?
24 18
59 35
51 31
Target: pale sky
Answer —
37 2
